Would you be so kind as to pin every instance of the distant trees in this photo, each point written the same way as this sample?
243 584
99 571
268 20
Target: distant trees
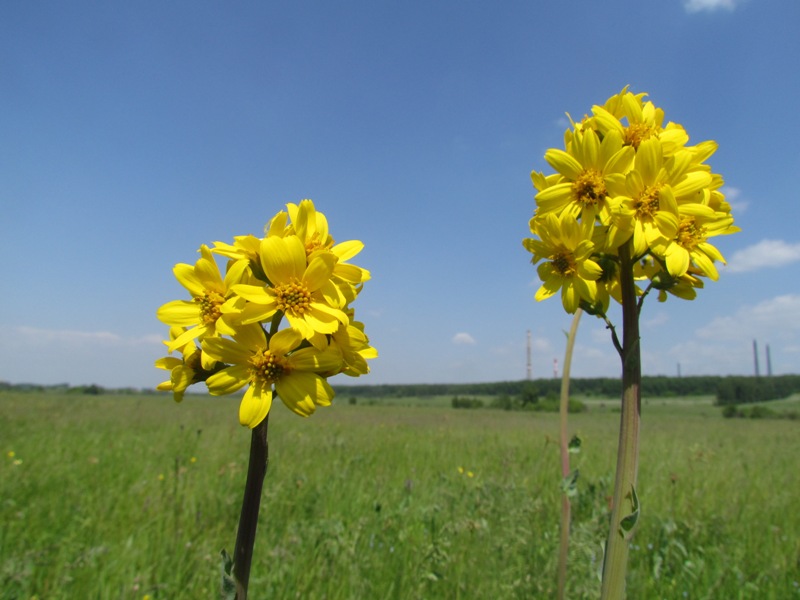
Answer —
603 387
746 390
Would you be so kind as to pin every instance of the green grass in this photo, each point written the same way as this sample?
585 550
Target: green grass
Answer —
368 501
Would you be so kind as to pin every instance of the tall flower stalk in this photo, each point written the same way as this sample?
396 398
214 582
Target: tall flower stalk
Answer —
232 335
567 445
630 209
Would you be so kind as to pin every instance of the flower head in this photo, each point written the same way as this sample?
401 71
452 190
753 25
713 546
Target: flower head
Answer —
204 314
587 169
262 363
296 273
567 247
626 178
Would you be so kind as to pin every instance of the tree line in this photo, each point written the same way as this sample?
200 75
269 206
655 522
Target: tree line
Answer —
727 389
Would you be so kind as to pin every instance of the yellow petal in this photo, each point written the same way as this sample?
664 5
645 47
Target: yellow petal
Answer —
179 312
283 258
302 392
255 405
285 341
228 380
319 271
564 163
347 250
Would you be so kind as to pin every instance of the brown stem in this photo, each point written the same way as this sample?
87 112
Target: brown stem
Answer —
624 512
248 521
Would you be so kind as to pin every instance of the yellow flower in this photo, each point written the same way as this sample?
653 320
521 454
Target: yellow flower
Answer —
262 363
301 291
193 366
586 168
354 347
648 209
690 245
311 227
244 247
683 287
644 122
567 246
204 314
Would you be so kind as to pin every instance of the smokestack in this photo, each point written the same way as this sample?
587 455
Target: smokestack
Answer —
769 363
755 357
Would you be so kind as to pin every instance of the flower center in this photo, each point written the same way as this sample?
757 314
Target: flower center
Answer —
267 367
646 205
564 263
636 133
293 297
589 188
210 303
314 244
690 233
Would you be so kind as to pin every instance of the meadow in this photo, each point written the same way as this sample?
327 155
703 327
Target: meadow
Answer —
133 497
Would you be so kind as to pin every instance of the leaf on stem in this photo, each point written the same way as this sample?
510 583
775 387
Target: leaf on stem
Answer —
627 524
228 581
569 484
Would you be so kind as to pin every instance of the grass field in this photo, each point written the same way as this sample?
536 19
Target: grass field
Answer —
127 497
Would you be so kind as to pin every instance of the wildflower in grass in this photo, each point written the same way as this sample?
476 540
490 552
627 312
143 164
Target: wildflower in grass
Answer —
230 335
11 454
630 208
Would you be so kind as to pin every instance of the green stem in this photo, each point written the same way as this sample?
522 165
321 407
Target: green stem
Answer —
248 521
625 507
565 472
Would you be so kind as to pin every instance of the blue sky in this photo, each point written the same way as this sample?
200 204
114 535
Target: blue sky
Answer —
134 132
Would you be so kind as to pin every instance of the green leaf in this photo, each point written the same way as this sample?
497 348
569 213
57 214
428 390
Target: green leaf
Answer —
569 485
574 446
228 580
627 524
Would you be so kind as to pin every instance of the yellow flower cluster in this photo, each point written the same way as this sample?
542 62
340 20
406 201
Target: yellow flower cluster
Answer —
626 178
229 334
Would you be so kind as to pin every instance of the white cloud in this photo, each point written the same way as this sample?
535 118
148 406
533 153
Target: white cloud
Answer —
764 254
463 339
70 337
693 6
49 356
777 318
